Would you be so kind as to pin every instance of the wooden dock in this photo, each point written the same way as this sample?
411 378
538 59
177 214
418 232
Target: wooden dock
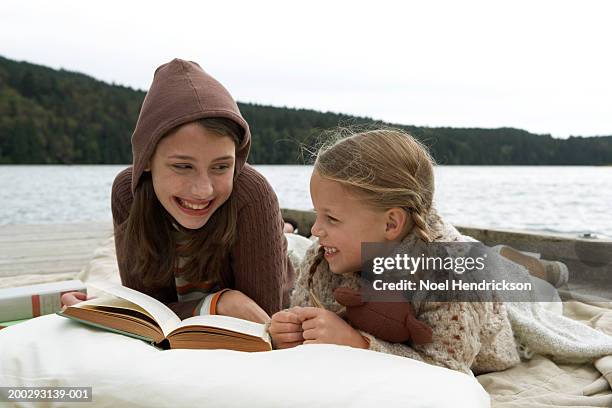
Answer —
60 251
48 249
589 260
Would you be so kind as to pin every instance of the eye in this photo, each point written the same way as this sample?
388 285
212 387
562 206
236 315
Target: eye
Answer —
221 167
181 166
332 219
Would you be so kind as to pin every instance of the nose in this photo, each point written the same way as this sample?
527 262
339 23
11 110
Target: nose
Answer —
316 229
202 186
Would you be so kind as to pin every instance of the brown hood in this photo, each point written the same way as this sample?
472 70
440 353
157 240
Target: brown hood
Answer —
182 92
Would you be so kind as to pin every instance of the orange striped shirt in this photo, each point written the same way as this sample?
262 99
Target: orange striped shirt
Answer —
186 290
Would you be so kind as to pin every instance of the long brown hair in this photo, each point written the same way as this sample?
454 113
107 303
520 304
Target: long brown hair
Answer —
150 234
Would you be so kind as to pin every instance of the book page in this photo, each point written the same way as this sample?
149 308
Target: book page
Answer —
161 313
114 302
227 323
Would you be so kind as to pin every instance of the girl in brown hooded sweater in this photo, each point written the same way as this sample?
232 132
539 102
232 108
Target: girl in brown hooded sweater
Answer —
195 226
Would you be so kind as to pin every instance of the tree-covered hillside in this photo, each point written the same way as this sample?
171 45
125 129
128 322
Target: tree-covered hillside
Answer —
51 116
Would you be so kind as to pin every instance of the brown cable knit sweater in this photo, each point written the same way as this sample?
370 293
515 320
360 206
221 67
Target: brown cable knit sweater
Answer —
466 336
182 92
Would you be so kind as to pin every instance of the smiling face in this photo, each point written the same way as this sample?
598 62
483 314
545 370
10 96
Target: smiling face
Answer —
192 171
343 222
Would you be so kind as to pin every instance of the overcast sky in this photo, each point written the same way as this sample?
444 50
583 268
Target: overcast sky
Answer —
543 66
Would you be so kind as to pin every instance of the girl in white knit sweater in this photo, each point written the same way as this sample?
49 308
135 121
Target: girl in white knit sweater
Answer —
377 186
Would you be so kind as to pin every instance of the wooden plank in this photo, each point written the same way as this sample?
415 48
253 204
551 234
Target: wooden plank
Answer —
49 248
74 265
11 234
13 229
66 248
551 246
46 257
589 260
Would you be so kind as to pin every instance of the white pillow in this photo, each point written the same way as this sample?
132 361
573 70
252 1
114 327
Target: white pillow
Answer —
54 351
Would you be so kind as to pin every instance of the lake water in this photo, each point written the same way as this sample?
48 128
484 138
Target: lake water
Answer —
563 199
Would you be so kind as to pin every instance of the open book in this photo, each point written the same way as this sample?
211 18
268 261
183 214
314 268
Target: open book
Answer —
135 314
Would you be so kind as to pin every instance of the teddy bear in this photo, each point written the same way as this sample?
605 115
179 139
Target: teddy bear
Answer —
394 322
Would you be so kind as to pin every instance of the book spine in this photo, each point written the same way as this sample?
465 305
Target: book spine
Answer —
29 306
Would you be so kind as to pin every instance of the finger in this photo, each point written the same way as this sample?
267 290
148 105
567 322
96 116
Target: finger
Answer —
286 317
276 327
306 313
288 337
311 334
285 328
310 324
65 299
311 342
291 317
69 299
80 295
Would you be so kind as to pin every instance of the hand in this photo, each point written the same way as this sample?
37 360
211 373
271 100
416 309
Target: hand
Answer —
236 304
286 330
72 298
321 326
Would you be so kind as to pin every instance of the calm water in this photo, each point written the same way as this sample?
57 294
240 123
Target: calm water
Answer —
571 200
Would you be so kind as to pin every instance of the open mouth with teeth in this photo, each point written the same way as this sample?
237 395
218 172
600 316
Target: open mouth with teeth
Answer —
330 251
193 208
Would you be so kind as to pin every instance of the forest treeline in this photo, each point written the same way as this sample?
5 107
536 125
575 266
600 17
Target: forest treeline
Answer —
58 116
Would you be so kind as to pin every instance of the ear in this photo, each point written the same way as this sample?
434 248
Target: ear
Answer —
398 222
148 167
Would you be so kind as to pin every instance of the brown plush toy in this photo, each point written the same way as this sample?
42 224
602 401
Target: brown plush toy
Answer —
394 322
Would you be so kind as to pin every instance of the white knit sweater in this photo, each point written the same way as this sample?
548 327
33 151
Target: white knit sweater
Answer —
466 336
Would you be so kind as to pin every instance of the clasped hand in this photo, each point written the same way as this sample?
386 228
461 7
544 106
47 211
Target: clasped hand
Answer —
312 325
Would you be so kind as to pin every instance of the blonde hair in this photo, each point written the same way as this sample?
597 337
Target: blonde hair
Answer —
384 168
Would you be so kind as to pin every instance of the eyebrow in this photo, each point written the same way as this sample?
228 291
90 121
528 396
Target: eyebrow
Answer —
183 157
325 210
224 158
